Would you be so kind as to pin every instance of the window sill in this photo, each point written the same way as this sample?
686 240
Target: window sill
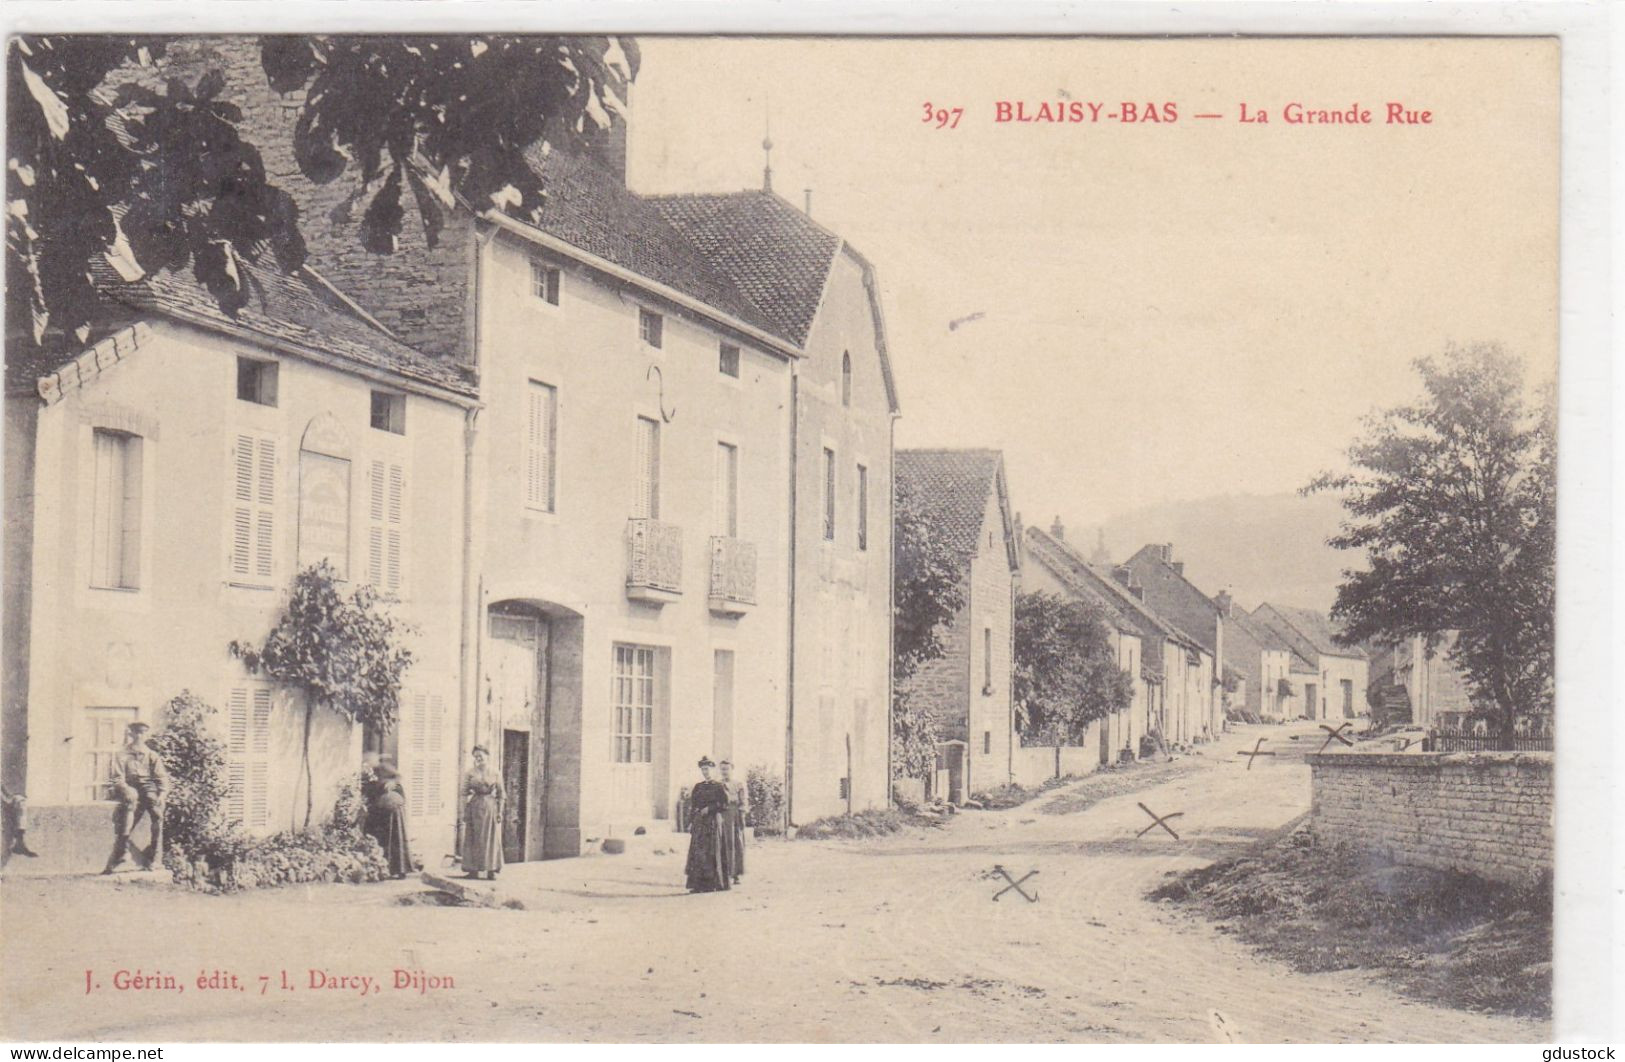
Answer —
248 586
117 589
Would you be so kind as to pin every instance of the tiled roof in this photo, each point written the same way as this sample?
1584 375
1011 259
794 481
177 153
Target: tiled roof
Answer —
589 208
776 255
953 486
1268 637
1318 631
293 310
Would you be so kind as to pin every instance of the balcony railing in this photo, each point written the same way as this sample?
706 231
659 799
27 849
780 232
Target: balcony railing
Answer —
654 561
733 576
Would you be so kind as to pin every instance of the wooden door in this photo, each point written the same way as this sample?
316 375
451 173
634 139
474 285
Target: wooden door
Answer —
515 793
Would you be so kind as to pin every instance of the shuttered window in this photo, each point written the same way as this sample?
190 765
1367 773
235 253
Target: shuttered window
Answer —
863 508
386 526
115 553
253 522
541 439
829 495
424 735
248 755
727 491
646 502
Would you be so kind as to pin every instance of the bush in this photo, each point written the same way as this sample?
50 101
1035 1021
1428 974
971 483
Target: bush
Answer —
225 859
872 822
194 803
765 789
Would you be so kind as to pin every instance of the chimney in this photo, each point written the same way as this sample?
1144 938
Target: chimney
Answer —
1057 528
1179 567
1100 556
1124 575
807 193
1224 602
1168 553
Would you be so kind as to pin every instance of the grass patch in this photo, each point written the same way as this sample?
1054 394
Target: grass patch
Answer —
1440 936
1015 794
874 822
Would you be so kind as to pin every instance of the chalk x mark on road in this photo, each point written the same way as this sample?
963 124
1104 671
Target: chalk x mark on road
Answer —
1337 734
1015 884
1161 820
1254 752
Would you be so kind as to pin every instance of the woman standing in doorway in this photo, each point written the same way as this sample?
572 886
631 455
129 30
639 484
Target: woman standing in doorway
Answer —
708 803
482 819
386 818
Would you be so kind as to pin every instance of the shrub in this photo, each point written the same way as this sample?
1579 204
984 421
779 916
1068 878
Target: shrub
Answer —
872 822
765 790
229 860
194 803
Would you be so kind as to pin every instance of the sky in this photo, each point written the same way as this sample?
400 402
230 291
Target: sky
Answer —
1169 310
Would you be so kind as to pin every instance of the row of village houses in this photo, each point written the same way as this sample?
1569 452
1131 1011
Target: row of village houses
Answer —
628 472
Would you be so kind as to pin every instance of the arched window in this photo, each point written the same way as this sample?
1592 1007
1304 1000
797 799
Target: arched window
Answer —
846 378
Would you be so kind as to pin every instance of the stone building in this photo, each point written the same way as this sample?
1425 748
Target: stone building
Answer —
1175 598
964 495
677 488
164 485
1336 687
1266 662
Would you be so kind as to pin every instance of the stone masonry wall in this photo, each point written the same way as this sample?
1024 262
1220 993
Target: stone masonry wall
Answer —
1484 813
420 292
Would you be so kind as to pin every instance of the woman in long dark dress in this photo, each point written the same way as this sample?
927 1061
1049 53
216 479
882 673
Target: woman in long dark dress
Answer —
386 819
733 836
708 806
482 819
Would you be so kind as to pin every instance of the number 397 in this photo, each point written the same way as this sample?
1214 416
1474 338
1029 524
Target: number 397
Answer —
943 117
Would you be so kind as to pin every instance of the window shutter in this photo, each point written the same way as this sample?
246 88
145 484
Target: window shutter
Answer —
375 526
647 502
129 573
417 734
539 442
253 515
386 527
437 717
397 491
236 750
242 514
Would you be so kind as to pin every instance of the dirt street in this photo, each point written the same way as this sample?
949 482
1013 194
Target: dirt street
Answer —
898 939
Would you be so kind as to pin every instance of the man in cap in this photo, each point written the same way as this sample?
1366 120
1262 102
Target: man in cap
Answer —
138 779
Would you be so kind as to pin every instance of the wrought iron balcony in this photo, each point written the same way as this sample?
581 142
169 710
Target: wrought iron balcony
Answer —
654 561
733 576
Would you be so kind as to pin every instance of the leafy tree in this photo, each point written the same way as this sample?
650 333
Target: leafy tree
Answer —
340 653
1453 499
928 594
146 178
1066 675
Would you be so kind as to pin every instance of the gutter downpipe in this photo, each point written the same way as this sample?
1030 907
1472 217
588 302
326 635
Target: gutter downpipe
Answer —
790 655
891 601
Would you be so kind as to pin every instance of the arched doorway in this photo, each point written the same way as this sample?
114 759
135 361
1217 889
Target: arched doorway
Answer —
529 719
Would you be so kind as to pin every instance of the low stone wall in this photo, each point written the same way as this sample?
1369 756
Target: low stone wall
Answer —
1484 813
1037 764
70 839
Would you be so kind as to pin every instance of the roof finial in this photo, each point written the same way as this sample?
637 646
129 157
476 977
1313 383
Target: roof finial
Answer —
767 149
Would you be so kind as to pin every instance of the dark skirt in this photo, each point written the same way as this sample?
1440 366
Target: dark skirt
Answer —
388 826
482 837
706 840
733 841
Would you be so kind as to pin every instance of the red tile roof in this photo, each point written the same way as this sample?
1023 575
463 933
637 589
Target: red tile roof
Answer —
776 255
295 311
953 487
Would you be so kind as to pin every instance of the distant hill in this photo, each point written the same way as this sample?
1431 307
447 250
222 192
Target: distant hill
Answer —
1262 547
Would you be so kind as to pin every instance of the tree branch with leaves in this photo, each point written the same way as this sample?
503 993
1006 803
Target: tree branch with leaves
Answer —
339 653
928 592
1066 675
1453 501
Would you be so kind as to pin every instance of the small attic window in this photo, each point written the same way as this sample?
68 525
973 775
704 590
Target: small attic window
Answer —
728 360
544 282
256 381
389 412
651 327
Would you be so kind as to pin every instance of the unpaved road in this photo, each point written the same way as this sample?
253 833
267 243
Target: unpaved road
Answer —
890 940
